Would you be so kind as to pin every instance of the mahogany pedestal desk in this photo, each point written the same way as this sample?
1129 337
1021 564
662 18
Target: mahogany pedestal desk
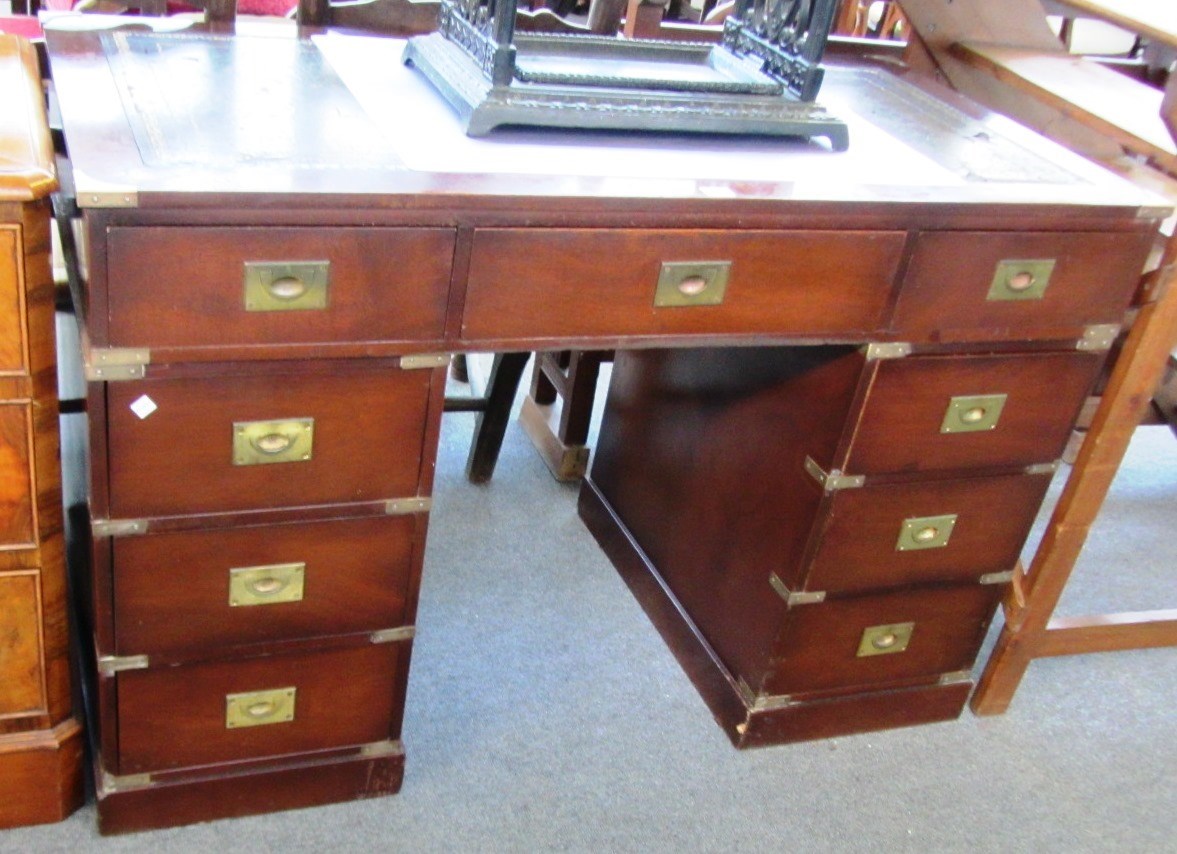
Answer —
843 382
40 738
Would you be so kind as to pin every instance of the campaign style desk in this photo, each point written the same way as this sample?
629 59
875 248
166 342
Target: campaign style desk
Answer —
843 384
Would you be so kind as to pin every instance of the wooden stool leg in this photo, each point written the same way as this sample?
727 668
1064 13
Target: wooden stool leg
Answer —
576 415
543 391
491 425
560 440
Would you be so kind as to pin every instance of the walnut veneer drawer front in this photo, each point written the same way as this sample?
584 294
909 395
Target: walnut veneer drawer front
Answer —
893 535
16 492
193 592
273 437
276 285
965 285
874 640
930 413
173 717
578 282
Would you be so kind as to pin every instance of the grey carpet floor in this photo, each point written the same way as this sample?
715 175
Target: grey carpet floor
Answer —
545 714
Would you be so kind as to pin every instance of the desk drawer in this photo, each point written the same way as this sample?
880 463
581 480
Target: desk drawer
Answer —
175 717
578 282
194 592
958 287
929 413
189 287
17 523
896 535
215 443
860 641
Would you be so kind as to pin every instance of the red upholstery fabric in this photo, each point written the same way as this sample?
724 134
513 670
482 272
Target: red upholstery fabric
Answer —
25 26
279 8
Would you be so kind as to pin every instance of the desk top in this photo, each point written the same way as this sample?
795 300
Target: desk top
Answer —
189 119
1156 20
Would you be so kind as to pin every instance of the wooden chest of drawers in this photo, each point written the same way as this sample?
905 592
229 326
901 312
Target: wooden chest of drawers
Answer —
40 739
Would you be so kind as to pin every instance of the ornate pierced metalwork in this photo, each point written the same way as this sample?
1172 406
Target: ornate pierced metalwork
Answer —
788 36
762 79
485 29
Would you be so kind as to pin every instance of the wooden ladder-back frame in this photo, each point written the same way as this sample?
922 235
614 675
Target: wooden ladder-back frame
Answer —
952 40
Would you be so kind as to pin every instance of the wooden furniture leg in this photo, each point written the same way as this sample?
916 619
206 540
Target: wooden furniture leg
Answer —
1165 400
1030 631
560 435
491 425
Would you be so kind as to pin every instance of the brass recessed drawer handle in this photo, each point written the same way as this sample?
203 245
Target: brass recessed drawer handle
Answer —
973 413
271 584
687 283
260 442
286 286
925 532
259 708
885 639
267 586
272 443
1020 279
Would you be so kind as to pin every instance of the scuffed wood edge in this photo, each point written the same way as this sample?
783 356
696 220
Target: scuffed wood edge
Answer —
27 168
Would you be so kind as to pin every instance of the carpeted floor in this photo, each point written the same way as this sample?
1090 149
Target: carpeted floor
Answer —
545 713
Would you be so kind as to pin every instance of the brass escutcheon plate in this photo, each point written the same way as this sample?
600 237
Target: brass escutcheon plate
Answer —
886 639
1020 279
925 532
266 585
259 708
286 286
290 440
973 413
686 283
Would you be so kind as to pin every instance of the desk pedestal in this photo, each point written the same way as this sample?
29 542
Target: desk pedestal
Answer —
818 570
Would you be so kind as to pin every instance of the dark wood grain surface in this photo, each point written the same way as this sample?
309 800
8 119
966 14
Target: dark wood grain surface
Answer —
282 87
369 422
357 575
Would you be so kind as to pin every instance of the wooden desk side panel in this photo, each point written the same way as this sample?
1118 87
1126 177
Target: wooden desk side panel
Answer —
716 515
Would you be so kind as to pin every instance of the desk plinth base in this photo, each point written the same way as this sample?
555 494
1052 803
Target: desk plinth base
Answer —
483 107
745 724
216 792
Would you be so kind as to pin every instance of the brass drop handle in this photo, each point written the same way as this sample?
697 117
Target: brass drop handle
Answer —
1021 281
692 286
272 443
973 415
287 288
